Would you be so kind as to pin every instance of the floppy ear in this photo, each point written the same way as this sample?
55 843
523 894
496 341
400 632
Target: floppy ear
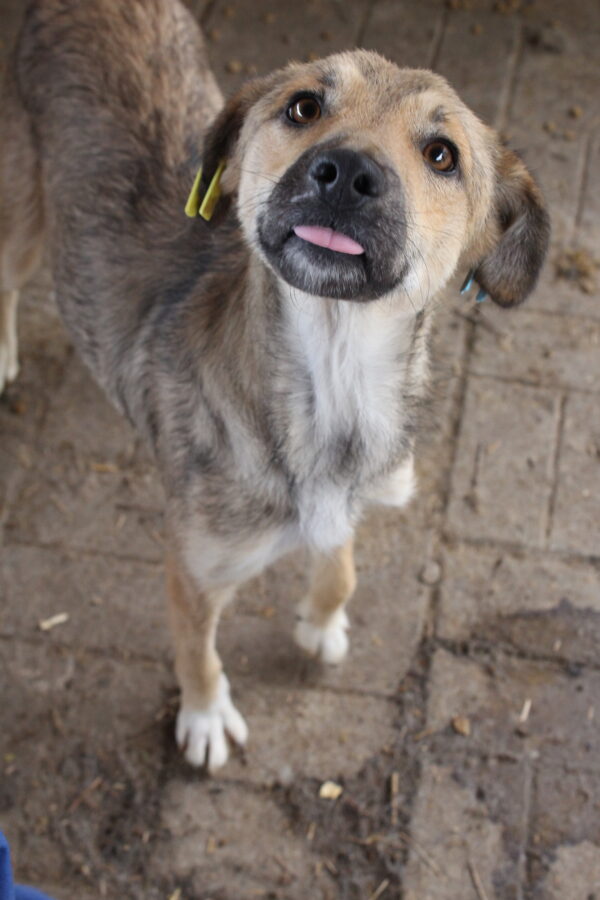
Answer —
521 229
221 139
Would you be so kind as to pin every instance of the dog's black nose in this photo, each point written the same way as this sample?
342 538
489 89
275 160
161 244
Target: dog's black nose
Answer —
346 178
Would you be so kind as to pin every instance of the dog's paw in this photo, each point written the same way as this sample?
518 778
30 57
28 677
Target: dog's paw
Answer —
328 642
201 733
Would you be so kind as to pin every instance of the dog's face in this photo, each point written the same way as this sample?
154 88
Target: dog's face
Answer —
355 178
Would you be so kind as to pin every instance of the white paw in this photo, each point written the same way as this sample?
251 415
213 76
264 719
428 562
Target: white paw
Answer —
201 733
329 642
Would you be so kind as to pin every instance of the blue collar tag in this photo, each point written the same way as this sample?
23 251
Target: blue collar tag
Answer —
468 284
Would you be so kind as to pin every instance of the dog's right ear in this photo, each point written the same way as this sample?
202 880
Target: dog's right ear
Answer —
221 139
518 229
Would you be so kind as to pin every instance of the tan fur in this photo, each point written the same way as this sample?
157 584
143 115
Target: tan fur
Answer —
194 617
333 582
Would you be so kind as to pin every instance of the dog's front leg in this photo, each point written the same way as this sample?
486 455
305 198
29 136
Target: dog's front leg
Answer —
322 620
207 713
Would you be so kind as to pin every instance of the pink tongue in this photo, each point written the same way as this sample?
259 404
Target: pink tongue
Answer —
326 237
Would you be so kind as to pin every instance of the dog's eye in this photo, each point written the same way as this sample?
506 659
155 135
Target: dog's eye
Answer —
440 155
304 110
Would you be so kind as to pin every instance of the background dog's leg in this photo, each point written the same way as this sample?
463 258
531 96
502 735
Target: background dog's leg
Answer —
9 351
206 712
21 222
323 623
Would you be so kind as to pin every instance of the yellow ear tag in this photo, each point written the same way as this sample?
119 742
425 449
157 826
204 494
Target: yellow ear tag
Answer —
207 207
193 201
194 207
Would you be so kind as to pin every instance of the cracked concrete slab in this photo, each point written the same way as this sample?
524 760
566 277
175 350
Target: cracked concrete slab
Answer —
455 848
576 874
510 452
576 513
528 599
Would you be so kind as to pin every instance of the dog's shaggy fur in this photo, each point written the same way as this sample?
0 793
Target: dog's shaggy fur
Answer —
277 381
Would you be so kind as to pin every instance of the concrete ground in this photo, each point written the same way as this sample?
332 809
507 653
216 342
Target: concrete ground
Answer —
464 729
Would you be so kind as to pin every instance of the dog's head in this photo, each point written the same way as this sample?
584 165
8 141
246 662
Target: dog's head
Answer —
354 178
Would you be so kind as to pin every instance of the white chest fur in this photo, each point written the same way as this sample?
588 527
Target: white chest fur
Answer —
347 365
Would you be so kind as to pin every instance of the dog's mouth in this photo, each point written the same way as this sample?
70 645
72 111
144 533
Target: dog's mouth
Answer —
320 260
326 261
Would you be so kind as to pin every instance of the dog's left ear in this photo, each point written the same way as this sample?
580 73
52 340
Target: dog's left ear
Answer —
520 230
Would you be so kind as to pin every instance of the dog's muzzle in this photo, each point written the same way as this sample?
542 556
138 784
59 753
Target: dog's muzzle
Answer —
333 225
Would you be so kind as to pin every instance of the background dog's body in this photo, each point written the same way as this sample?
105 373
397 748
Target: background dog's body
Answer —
107 143
275 415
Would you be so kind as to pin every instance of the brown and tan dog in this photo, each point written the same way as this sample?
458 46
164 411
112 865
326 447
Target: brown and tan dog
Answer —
274 359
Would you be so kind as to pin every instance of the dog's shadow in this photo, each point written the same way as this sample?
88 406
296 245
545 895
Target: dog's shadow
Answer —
256 631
